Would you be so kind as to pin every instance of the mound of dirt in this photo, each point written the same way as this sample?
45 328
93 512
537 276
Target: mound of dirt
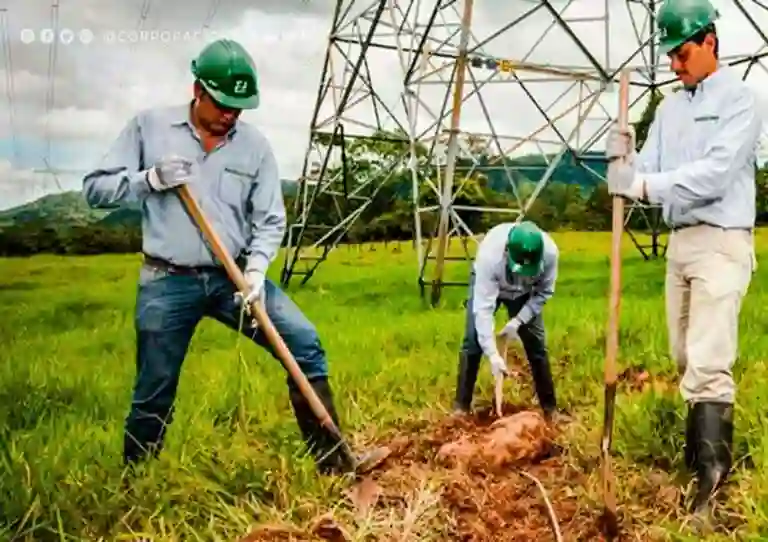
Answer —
511 439
487 467
478 461
473 479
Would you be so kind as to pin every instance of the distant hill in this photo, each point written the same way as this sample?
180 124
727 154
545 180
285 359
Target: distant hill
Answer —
70 208
65 207
582 170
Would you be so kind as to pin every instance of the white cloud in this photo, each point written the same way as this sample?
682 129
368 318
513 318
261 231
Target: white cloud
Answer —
74 122
100 85
20 185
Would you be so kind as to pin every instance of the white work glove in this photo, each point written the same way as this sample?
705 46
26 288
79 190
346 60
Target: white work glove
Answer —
255 280
498 365
623 180
509 331
169 172
622 177
620 143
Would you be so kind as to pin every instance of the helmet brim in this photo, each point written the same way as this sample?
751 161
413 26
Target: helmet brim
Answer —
665 47
526 269
250 102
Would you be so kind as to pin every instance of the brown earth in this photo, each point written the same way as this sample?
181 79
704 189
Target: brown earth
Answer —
471 467
461 479
479 460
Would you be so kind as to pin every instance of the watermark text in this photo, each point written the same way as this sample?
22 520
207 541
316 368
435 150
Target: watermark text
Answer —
86 36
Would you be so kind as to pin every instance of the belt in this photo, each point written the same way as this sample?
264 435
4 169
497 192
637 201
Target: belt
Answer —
176 269
685 226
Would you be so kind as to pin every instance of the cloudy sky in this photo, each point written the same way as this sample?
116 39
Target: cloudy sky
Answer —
61 106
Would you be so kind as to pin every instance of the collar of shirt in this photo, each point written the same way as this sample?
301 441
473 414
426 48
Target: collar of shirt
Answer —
717 78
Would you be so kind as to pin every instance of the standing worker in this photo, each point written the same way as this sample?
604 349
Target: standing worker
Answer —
232 169
516 265
699 163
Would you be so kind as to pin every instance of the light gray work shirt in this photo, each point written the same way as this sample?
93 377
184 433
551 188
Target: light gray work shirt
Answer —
700 156
237 185
494 282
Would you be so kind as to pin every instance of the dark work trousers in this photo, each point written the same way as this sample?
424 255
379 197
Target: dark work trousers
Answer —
533 337
168 310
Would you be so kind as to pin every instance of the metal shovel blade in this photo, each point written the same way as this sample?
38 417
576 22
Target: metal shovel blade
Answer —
372 459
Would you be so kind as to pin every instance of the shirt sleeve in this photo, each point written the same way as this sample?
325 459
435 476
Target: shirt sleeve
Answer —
543 290
648 156
484 297
268 217
120 177
704 180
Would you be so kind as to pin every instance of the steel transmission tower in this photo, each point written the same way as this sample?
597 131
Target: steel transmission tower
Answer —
456 90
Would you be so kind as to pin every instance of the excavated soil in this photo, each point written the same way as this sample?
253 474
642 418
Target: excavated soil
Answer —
473 479
475 468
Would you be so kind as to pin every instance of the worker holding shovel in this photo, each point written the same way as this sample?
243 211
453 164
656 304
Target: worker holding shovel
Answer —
230 164
515 266
699 163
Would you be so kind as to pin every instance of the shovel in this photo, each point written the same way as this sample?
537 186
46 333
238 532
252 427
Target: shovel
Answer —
363 464
499 387
609 519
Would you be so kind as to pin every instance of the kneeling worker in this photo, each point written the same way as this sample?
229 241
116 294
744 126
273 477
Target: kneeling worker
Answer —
516 265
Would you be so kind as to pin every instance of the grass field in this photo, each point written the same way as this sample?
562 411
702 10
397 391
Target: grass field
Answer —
67 343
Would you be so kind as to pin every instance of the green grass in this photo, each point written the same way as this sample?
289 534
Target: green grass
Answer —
68 348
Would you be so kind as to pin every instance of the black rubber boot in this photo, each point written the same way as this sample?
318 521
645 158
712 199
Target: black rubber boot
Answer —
714 437
330 455
544 386
144 435
690 439
469 364
534 342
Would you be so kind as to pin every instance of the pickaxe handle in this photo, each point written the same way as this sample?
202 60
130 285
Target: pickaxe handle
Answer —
612 334
257 310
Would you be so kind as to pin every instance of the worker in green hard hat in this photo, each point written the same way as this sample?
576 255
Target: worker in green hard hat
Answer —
699 163
230 166
515 266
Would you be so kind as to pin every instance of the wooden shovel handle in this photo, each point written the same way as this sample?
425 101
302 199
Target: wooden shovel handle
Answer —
257 310
610 517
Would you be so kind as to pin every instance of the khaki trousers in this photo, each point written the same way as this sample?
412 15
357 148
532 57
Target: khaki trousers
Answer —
708 272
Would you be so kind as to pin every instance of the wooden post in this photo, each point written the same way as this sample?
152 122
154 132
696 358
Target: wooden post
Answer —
450 167
610 517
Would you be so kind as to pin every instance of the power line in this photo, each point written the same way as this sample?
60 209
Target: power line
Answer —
51 95
9 83
145 7
211 14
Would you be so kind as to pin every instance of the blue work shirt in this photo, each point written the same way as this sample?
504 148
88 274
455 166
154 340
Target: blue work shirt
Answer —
700 156
236 184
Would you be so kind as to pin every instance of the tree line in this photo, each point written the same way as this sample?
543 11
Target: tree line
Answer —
558 207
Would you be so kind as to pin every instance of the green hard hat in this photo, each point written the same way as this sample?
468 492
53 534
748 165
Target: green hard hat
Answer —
525 249
228 73
679 20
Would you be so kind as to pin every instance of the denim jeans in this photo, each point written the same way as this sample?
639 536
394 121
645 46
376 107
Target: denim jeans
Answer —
168 309
532 335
